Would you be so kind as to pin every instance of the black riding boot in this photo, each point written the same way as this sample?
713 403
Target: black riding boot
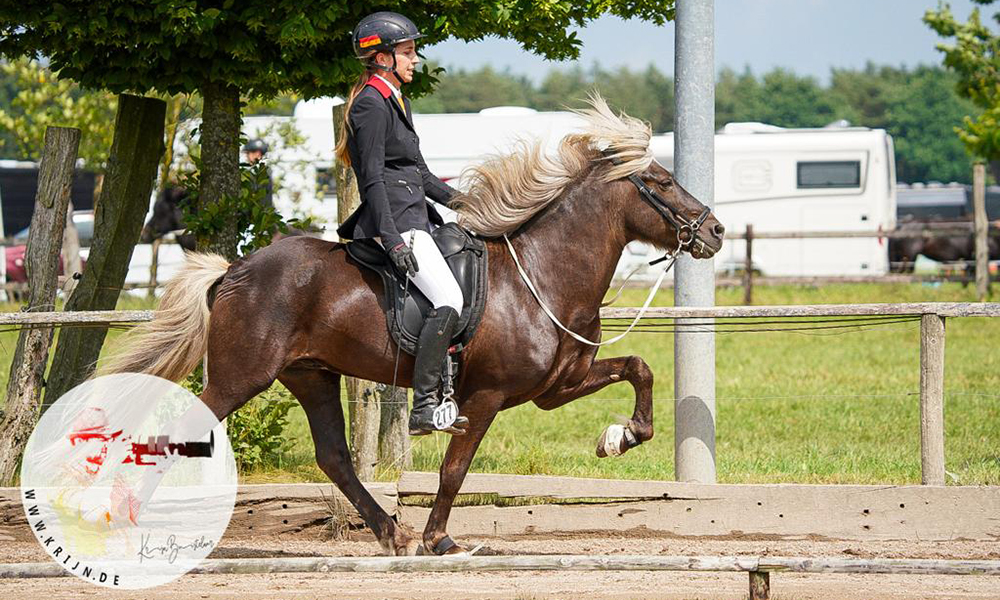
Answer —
432 348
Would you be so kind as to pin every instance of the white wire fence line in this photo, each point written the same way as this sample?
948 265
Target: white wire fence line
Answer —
667 399
707 319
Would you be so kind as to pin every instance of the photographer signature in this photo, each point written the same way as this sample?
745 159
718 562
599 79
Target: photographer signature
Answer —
170 549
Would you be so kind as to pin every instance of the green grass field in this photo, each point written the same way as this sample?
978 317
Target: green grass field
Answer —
836 406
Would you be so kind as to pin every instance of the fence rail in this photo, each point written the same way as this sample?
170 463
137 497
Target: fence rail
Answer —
942 309
758 567
980 229
893 234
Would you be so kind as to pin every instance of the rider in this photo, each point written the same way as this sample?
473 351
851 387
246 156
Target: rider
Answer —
382 147
255 150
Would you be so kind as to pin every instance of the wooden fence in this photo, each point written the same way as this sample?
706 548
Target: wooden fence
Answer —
932 345
980 229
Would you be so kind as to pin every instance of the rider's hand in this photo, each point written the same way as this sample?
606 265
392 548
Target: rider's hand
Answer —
403 258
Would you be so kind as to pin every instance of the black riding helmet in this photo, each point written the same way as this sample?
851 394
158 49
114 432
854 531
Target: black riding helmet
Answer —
381 32
256 145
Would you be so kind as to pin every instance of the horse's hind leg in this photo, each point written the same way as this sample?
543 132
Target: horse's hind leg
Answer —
603 373
233 379
319 393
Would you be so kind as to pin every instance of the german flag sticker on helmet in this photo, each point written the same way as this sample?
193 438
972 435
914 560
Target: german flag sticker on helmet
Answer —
371 40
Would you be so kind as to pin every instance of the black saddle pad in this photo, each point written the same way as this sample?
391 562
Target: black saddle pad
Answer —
465 255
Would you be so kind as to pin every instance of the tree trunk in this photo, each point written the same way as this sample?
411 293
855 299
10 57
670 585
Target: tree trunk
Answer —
378 433
220 158
24 387
135 154
72 265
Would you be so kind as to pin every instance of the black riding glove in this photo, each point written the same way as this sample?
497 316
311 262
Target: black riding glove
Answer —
403 258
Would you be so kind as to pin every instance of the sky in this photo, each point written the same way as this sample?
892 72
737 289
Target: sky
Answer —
807 36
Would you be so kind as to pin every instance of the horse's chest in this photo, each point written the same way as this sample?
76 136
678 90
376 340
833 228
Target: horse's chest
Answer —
571 368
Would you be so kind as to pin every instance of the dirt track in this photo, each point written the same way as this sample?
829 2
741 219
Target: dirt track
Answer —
532 585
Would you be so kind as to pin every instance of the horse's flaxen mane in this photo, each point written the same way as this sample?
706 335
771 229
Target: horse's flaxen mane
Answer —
508 190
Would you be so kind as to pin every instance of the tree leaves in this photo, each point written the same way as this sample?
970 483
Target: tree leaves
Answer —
975 57
168 45
42 101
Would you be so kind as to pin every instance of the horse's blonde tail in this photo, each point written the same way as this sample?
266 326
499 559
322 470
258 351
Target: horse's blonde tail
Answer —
174 342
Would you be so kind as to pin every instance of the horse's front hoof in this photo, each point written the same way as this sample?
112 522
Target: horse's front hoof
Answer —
615 441
410 548
406 541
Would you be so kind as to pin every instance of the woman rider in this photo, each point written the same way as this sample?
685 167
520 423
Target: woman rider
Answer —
383 149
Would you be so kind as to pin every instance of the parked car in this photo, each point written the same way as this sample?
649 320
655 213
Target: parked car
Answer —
84 221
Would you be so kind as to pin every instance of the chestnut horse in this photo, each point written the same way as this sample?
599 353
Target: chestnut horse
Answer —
302 312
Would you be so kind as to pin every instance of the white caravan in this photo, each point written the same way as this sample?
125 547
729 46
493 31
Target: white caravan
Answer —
799 180
778 180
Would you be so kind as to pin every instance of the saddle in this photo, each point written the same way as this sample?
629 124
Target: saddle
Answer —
465 255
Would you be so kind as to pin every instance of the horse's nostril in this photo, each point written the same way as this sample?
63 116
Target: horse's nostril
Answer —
719 230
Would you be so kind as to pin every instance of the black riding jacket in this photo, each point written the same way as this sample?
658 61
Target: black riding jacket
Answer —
392 176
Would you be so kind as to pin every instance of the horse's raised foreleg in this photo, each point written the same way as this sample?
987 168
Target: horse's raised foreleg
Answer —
319 393
481 409
602 373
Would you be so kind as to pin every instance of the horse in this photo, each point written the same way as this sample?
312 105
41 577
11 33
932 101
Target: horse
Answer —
168 217
303 312
947 249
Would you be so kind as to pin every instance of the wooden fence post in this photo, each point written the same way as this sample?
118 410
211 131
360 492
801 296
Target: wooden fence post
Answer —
72 264
24 388
981 226
748 268
372 411
394 434
154 259
932 344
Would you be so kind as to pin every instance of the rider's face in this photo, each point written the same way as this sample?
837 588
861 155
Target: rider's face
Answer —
406 60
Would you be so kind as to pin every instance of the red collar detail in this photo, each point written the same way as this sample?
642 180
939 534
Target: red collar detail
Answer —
379 85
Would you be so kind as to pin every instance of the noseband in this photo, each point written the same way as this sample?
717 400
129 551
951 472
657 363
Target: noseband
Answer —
687 231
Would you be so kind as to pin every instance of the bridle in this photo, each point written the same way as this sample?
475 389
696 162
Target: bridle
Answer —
687 231
687 235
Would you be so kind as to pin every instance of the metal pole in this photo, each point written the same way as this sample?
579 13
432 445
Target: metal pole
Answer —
694 164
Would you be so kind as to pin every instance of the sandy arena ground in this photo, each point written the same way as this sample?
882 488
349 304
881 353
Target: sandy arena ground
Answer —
539 585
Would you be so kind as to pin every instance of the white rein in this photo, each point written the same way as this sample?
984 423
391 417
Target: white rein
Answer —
576 336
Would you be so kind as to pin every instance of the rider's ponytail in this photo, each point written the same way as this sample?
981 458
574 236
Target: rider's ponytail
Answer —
340 151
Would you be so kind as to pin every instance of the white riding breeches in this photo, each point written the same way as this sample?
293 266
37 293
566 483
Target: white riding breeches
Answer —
434 277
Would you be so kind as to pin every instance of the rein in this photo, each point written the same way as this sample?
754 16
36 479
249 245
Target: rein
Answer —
687 235
573 334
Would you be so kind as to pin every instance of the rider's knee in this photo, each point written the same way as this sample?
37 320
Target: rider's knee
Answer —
454 298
